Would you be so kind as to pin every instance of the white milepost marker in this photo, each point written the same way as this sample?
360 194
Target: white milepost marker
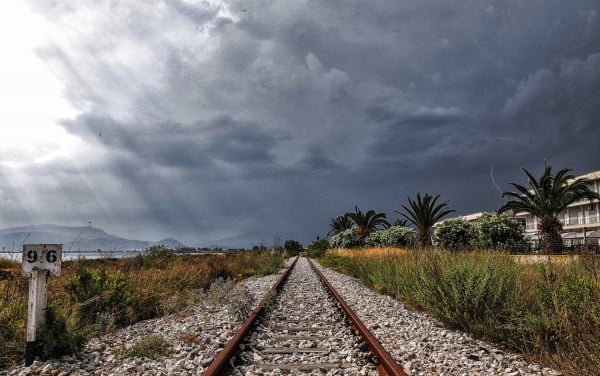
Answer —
39 261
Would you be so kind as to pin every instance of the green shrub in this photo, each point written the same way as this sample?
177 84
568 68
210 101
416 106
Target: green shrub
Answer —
479 294
345 239
317 248
60 335
96 293
268 265
150 347
499 231
454 234
394 236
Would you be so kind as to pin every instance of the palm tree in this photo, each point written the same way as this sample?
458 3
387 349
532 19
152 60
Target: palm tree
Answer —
339 224
424 213
402 222
367 222
546 198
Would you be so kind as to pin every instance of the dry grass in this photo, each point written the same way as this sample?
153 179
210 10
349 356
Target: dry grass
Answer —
92 296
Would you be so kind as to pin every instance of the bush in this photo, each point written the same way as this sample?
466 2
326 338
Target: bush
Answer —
317 248
498 231
60 335
454 234
398 236
345 239
97 294
395 236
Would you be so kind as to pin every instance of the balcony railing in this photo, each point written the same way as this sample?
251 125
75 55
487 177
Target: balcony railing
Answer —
579 221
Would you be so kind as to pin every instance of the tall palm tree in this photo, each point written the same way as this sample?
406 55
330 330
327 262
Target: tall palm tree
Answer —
402 222
339 224
424 213
367 222
546 198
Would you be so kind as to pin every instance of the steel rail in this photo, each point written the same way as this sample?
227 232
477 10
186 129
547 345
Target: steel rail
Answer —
221 364
387 365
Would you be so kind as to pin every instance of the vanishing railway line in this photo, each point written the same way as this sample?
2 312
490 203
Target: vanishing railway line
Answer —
303 326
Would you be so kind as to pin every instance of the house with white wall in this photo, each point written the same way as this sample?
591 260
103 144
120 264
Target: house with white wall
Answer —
580 220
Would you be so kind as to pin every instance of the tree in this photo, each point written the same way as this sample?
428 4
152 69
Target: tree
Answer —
366 223
546 198
454 234
339 224
402 222
423 213
293 246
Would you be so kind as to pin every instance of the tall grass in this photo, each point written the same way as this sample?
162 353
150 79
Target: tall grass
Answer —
548 311
93 296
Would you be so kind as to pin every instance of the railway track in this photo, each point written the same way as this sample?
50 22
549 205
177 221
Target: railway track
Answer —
303 327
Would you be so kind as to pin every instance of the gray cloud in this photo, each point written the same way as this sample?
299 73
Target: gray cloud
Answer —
212 119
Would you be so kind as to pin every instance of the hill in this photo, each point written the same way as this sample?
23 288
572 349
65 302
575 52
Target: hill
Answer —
75 239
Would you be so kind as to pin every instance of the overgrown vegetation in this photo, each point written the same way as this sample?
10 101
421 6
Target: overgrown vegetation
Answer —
317 248
490 231
93 296
150 347
549 311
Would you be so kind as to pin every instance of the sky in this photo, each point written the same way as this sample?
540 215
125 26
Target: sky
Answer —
244 122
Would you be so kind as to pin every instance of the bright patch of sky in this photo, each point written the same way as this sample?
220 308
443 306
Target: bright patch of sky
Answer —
32 100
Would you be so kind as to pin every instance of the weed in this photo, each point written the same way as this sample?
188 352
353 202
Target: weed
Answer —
190 338
150 347
218 291
240 302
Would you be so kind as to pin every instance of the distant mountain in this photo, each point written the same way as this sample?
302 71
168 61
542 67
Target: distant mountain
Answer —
246 240
75 239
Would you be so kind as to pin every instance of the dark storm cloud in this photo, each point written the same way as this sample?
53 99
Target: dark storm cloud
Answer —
197 146
220 118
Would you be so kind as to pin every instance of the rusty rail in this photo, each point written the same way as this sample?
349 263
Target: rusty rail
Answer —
387 365
220 365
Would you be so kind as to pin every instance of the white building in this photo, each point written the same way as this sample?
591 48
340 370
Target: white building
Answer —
581 220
